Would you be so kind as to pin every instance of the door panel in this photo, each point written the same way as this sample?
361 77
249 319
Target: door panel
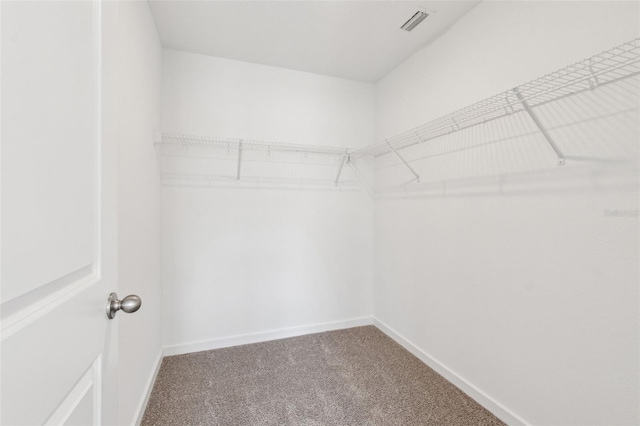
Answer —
82 404
43 361
50 144
57 220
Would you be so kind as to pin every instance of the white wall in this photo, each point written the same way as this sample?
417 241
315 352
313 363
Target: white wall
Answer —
243 261
513 278
203 95
138 86
247 261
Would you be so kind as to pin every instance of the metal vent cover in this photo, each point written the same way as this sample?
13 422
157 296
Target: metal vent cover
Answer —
413 22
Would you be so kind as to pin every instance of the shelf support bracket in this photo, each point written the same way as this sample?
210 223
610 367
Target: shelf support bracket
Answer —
593 84
508 109
537 122
362 182
345 157
403 160
239 158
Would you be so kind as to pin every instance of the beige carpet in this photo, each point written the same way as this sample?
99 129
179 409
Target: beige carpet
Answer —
357 376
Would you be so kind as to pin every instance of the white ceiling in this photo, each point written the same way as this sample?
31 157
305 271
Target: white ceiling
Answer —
359 40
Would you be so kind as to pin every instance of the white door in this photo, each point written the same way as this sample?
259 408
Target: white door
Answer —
57 217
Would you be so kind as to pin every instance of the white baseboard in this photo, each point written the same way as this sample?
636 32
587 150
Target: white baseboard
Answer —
147 390
264 336
479 396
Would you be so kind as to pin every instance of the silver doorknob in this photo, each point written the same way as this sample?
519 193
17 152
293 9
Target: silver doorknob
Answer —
129 304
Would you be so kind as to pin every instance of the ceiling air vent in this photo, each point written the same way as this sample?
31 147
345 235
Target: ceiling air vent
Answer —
413 22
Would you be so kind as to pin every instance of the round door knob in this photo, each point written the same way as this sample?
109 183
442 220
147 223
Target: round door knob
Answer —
129 304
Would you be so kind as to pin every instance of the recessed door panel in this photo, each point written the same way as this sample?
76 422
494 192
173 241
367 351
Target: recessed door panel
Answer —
57 266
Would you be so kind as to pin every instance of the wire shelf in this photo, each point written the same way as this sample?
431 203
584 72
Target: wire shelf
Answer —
247 144
211 160
607 67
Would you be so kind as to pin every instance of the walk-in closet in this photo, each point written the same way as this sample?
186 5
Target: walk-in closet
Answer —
320 212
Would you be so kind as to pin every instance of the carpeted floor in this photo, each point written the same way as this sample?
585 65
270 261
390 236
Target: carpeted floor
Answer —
357 376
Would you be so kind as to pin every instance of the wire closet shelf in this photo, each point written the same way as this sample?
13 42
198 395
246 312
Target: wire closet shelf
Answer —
226 159
212 159
607 67
248 145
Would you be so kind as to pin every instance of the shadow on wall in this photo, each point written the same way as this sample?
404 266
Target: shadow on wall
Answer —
597 130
